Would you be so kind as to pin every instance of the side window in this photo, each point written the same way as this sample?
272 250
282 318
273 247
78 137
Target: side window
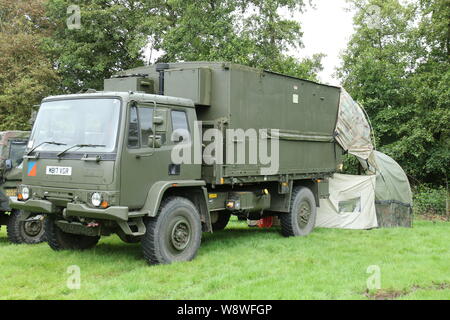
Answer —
133 129
146 123
179 124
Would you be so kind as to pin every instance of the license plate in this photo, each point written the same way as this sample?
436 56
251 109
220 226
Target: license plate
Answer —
59 171
11 192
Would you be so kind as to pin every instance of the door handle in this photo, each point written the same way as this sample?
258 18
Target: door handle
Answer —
96 159
144 155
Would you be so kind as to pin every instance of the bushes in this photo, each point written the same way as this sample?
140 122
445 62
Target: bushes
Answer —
429 200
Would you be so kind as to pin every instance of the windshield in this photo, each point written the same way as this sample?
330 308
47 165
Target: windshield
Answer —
73 122
16 151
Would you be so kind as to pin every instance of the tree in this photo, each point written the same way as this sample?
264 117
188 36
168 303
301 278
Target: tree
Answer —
398 68
26 75
110 38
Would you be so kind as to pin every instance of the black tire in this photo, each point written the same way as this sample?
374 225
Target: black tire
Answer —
21 231
174 234
301 219
219 220
60 240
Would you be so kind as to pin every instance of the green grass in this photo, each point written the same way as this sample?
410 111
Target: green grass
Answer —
242 263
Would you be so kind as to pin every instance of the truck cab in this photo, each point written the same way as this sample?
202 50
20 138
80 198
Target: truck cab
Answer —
12 148
98 163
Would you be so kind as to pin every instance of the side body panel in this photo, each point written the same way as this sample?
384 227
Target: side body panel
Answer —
303 113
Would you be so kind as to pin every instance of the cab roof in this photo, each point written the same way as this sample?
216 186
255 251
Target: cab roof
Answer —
126 96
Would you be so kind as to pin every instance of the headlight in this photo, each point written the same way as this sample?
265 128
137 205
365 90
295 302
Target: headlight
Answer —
25 193
96 199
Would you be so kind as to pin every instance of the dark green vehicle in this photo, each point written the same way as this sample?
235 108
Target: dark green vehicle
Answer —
167 152
22 227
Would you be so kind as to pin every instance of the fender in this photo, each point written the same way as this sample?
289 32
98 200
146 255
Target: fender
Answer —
157 191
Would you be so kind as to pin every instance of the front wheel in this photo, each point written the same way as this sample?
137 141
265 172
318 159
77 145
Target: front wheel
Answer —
60 240
301 219
26 227
174 234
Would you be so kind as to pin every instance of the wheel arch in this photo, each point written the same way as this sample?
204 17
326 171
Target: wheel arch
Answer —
193 190
311 185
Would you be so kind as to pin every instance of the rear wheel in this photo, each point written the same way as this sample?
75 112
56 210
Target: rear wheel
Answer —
60 240
26 227
175 234
219 220
301 219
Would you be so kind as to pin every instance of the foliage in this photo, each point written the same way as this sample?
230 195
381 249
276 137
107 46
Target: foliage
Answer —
27 74
400 71
110 38
429 200
351 165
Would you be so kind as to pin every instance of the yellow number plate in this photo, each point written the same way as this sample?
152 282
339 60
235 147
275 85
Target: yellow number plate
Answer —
11 192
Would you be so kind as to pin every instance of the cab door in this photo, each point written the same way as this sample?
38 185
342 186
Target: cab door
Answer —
147 154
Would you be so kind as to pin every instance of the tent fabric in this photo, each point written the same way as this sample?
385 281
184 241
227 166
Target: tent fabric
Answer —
392 183
351 204
353 131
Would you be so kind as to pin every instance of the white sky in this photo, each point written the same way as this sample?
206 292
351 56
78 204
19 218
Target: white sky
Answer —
326 29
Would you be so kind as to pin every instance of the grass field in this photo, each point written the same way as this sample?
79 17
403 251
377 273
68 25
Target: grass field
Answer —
243 263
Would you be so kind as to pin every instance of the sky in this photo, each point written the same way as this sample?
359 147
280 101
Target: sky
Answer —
326 29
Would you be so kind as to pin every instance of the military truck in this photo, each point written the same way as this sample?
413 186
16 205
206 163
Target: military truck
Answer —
108 162
22 227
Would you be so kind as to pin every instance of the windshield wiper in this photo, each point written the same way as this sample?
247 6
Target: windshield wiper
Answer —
46 142
59 155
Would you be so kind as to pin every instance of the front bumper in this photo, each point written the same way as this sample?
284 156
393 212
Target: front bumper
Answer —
72 210
38 206
111 213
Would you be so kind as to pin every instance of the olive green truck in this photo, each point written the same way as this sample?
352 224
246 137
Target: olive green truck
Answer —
22 227
169 151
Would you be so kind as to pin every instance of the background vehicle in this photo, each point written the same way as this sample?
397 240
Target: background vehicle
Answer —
22 227
102 163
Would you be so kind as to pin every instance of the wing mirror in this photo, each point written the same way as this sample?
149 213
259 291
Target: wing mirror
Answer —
154 142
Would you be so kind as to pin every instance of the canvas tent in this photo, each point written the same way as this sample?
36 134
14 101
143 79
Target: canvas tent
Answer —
376 200
353 130
382 198
351 204
393 196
